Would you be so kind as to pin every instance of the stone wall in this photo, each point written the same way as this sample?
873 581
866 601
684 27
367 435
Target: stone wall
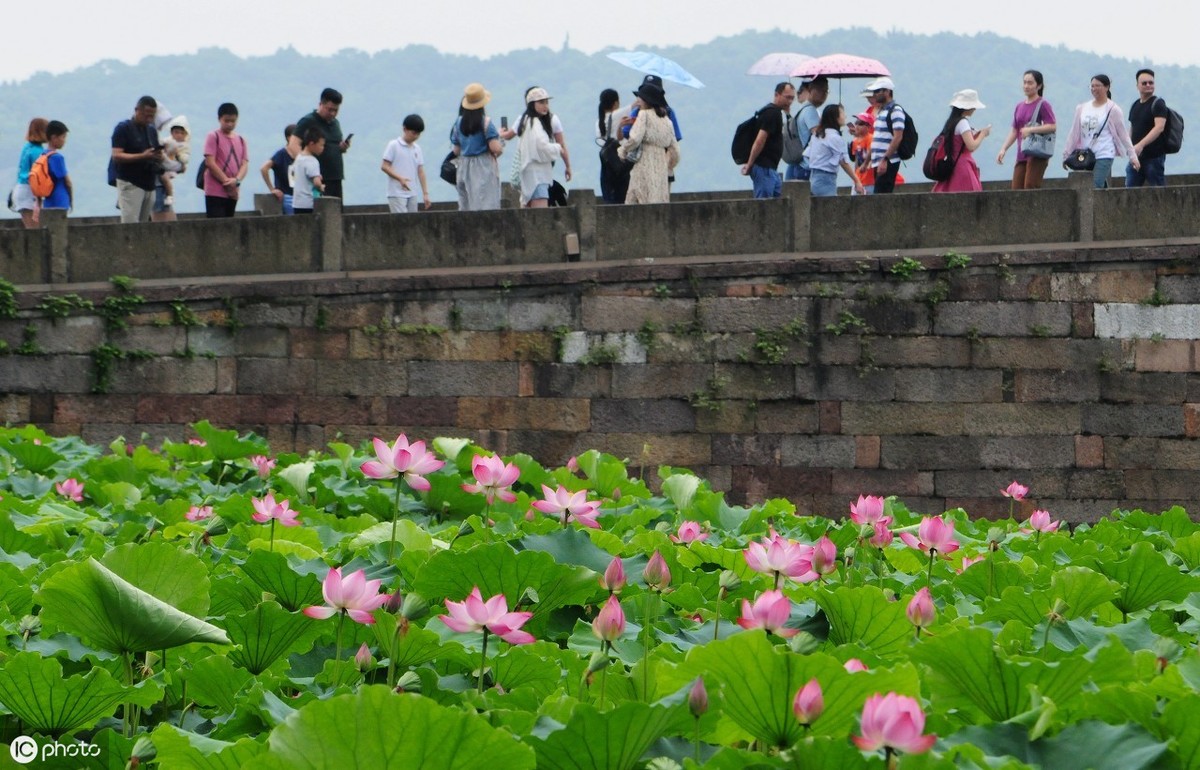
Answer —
939 375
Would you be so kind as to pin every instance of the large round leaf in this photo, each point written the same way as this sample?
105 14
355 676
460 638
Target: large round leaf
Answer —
378 729
165 571
92 601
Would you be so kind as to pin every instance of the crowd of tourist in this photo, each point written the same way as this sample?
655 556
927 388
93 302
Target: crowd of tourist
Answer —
638 146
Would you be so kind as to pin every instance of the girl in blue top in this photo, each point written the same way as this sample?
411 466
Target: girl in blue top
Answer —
23 200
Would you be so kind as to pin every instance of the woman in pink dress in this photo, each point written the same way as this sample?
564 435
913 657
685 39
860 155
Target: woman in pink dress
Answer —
963 141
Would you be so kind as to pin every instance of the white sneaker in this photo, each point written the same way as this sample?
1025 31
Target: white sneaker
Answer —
169 201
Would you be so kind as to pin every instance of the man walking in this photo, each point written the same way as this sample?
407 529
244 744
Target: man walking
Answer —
324 119
138 157
1147 128
808 118
762 166
889 131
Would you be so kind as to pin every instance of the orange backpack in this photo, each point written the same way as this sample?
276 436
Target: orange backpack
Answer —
41 183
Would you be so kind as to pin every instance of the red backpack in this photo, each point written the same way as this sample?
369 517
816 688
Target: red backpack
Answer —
41 183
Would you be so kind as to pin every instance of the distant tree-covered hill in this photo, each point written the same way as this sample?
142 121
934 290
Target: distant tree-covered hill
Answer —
380 89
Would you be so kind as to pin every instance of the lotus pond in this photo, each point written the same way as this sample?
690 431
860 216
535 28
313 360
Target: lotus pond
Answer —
429 605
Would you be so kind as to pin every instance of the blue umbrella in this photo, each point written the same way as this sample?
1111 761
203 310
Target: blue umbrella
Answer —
653 64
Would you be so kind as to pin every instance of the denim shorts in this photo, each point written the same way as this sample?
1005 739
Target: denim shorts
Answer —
541 193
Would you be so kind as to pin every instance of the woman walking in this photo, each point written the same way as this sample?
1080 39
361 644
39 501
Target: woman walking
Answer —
614 182
1099 126
477 145
1032 117
826 151
23 199
961 141
651 147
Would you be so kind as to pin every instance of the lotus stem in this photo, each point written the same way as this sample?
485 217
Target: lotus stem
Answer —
991 572
126 724
651 598
697 741
604 677
395 515
483 660
929 576
1046 637
717 621
890 757
337 648
272 545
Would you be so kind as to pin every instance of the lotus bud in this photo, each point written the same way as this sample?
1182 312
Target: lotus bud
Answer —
698 698
809 703
363 660
656 574
613 578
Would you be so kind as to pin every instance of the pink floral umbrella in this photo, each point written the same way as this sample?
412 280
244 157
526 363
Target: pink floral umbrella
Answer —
778 64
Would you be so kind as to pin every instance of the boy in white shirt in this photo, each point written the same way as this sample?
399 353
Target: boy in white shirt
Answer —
402 162
305 173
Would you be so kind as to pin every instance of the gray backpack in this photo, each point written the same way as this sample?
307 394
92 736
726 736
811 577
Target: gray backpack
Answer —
793 143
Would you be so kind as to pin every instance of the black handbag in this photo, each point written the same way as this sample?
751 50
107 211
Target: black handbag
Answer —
449 172
1084 159
1081 160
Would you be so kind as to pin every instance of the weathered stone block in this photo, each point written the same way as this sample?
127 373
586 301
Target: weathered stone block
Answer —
818 451
843 383
457 378
1133 420
659 381
606 313
551 414
276 376
612 415
1003 319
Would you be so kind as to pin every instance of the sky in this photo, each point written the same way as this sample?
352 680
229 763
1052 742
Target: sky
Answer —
87 31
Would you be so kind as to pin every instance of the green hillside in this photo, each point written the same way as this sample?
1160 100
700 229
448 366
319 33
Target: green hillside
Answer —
380 89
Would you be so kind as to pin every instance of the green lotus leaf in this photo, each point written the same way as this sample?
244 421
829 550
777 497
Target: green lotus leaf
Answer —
408 535
33 688
164 571
37 458
378 729
214 682
527 666
1092 745
680 489
1181 721
413 647
497 569
610 740
1146 579
965 670
759 680
95 603
570 546
1188 549
865 616
273 574
188 751
225 444
267 633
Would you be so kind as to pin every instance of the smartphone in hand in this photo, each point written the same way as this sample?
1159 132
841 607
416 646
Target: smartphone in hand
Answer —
504 122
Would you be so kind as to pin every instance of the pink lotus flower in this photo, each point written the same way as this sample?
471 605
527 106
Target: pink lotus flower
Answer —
854 665
267 509
263 465
355 595
868 510
921 612
493 479
610 621
570 506
71 489
809 702
824 556
573 464
883 536
199 512
474 614
779 556
197 442
935 535
412 462
613 578
698 698
1015 491
969 560
656 573
689 531
1039 521
770 611
895 722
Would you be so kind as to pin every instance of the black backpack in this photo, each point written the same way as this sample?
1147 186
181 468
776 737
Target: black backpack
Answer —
1173 132
743 139
908 142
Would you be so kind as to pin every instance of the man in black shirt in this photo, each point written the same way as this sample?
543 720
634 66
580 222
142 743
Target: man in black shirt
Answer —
1147 128
763 164
324 119
138 157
